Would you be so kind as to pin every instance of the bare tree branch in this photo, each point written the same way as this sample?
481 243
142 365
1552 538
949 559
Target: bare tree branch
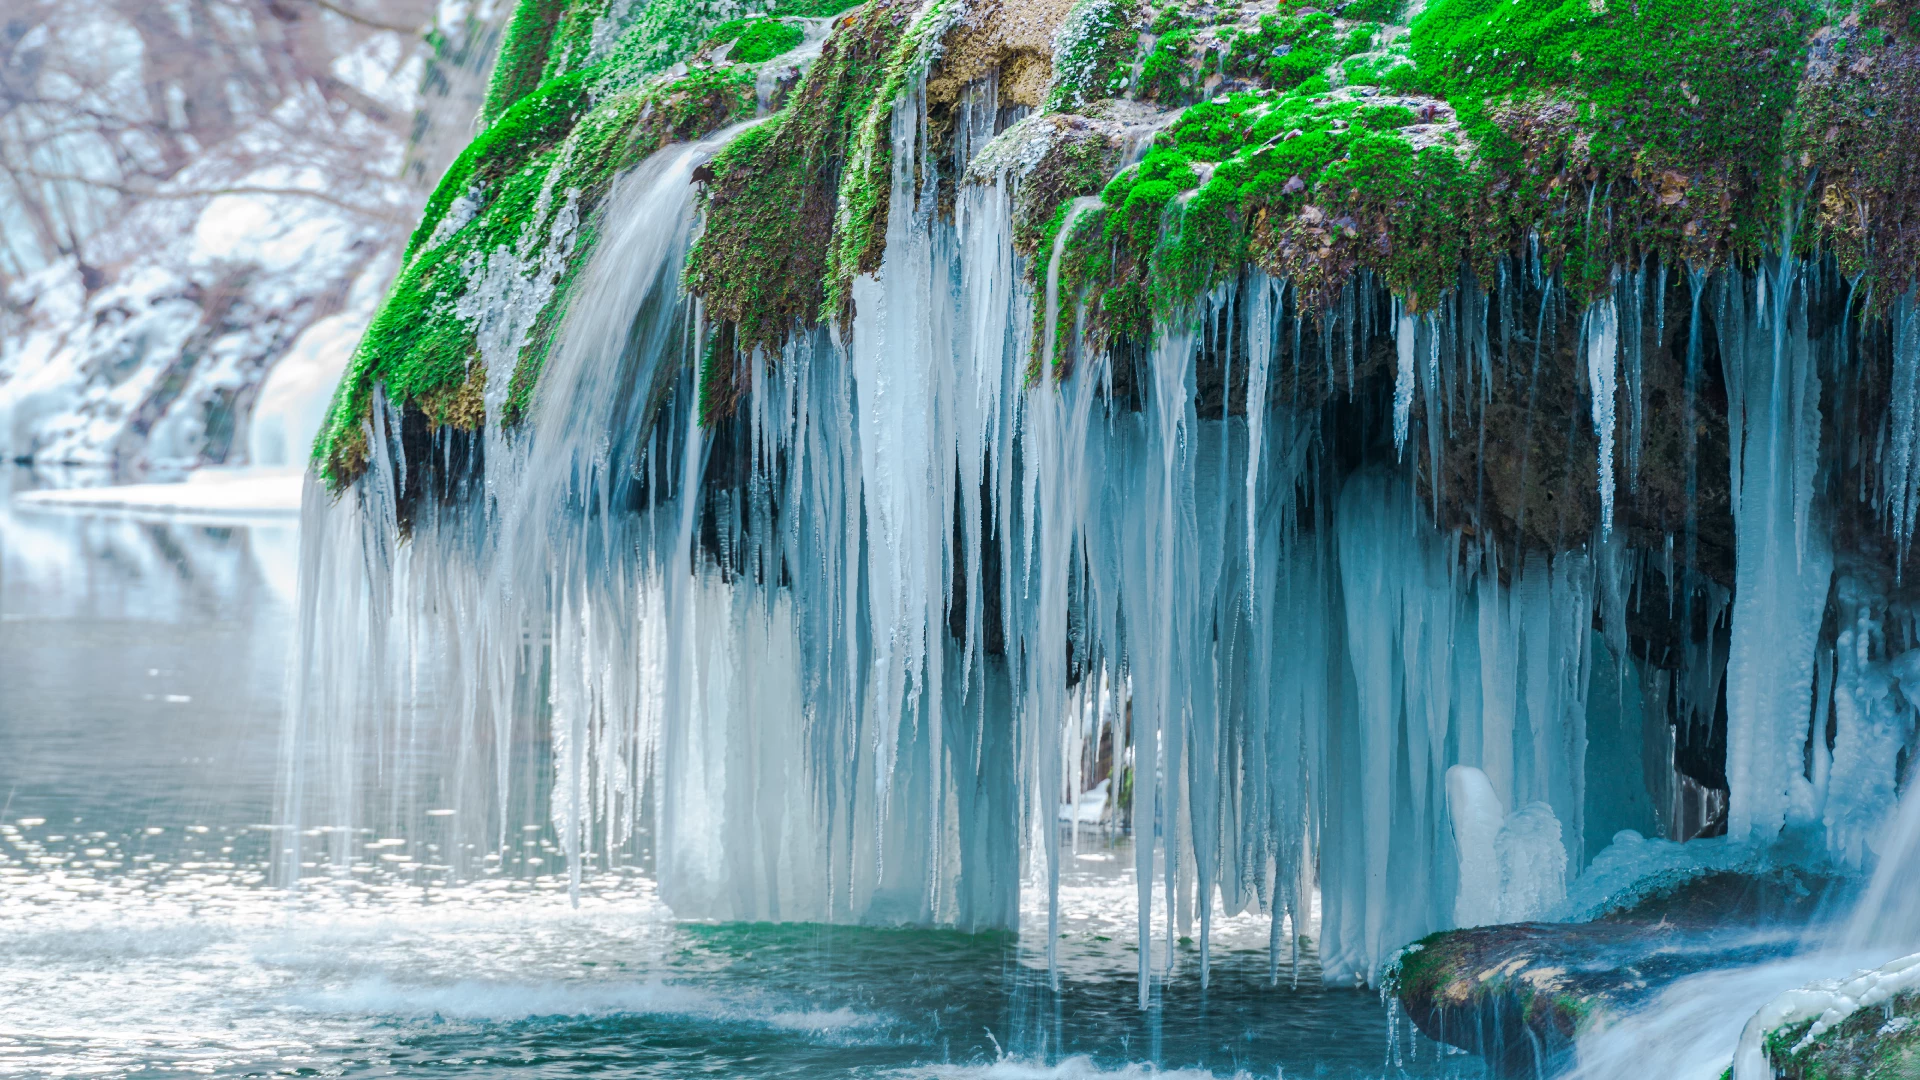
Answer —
364 20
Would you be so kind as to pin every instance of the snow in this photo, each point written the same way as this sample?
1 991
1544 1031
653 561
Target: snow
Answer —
1477 819
213 281
1513 867
1827 1003
1634 867
293 400
212 492
1090 808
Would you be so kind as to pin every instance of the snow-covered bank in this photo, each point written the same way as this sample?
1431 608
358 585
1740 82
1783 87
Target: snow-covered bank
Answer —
217 492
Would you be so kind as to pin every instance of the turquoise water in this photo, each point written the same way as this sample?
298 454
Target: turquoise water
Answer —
140 685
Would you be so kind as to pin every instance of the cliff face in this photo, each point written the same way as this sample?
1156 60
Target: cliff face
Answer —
1570 149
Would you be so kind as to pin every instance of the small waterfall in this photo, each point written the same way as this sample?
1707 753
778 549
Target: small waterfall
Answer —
1887 915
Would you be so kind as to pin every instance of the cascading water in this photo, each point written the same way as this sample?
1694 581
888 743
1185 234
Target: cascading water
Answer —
827 660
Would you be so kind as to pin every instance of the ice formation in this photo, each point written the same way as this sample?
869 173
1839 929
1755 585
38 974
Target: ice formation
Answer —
1826 1003
853 654
1512 867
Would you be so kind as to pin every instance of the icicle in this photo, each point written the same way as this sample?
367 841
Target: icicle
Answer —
1783 562
1406 338
1632 348
1259 358
1603 335
1900 465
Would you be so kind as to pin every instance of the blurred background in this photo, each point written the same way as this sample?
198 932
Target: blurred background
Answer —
201 203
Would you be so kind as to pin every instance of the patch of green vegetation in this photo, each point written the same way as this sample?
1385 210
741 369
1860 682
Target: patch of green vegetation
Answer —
660 33
859 234
1875 1043
1852 129
812 9
1392 71
1168 76
1305 185
1377 10
1287 50
1668 120
1668 113
522 62
1078 161
1595 133
1422 968
768 247
756 40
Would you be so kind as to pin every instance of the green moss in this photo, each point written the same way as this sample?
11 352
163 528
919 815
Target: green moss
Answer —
1422 968
1560 106
660 33
1287 50
1852 129
1307 186
812 9
522 62
1377 10
865 186
1877 1043
1168 76
1079 161
1393 72
1555 92
756 40
1594 133
763 259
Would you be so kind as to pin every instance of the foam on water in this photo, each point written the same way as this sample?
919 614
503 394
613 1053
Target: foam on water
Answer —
1073 1068
510 1000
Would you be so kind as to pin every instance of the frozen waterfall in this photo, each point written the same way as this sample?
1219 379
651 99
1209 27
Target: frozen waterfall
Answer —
843 655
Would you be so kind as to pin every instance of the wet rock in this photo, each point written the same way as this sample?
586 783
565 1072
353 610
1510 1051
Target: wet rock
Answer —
1872 1044
1520 994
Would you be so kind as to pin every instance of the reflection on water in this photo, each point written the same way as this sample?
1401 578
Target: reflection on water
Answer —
140 685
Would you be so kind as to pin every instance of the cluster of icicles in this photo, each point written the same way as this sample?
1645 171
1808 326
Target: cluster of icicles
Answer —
843 658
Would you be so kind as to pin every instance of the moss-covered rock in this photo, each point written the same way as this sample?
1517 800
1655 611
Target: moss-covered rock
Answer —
776 230
1520 994
1318 141
1852 131
486 273
1879 1043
